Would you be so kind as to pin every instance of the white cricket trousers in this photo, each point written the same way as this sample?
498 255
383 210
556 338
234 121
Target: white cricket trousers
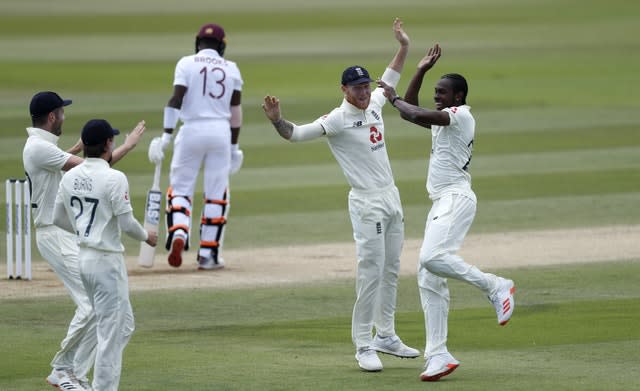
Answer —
78 349
447 224
378 230
104 275
198 143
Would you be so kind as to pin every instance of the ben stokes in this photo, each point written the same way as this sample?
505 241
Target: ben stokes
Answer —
355 133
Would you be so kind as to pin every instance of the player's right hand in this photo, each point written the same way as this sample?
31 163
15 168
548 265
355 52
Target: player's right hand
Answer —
156 153
237 157
152 238
389 92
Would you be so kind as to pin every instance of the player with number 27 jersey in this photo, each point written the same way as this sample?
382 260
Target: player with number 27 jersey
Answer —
95 204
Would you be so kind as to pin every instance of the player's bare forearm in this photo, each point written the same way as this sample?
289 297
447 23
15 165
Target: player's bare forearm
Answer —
421 116
284 128
271 107
411 95
235 135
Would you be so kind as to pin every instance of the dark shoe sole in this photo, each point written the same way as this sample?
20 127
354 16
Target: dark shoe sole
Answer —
175 256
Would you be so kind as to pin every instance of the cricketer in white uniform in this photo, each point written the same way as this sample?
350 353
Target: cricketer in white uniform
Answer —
454 207
93 201
355 134
44 163
207 99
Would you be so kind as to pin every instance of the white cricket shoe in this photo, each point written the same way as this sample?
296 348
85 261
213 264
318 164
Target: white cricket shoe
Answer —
394 346
210 263
85 383
368 360
438 366
64 379
503 300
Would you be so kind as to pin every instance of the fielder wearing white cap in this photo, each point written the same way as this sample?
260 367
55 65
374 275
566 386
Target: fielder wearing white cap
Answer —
355 133
454 207
93 201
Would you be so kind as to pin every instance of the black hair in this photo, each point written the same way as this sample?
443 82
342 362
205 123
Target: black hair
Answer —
40 120
459 84
211 43
95 150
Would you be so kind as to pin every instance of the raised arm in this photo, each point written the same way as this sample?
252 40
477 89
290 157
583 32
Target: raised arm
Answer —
414 113
286 129
397 62
427 62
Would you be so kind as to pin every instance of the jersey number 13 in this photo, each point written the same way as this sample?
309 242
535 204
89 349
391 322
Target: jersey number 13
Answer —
218 75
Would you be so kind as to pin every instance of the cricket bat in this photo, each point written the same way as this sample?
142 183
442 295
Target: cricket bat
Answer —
151 218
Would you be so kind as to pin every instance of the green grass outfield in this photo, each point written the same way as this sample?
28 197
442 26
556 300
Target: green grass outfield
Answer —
553 89
575 328
551 86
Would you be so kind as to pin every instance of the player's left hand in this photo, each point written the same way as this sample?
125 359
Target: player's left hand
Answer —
132 139
430 59
237 157
389 92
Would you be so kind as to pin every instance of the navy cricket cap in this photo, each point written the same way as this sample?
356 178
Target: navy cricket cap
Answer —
97 131
355 75
45 102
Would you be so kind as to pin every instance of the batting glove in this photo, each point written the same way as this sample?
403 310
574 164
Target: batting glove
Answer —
156 153
236 159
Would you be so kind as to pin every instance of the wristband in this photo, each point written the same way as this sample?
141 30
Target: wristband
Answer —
394 99
171 116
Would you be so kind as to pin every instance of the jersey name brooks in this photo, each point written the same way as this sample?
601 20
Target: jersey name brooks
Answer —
451 150
356 139
210 81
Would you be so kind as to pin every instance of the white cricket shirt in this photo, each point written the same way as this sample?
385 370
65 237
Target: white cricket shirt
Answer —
93 195
210 80
43 161
356 139
451 150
